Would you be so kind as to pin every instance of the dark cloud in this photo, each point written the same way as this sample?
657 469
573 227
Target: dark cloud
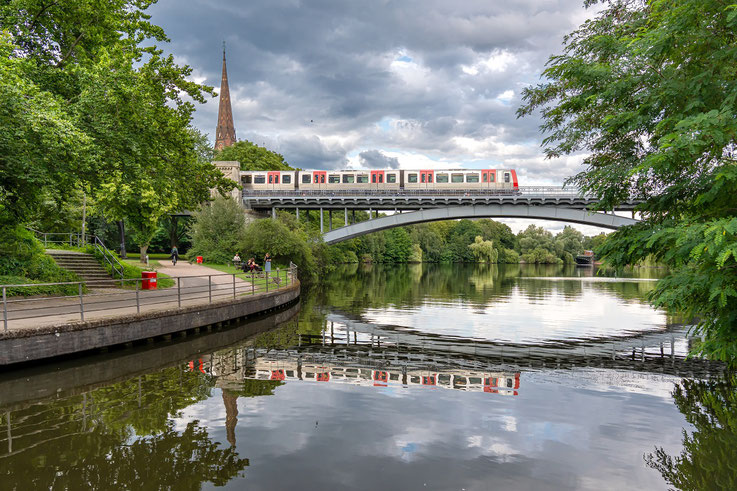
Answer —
325 80
377 160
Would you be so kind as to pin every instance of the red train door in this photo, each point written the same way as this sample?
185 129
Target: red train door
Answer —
318 177
488 178
272 178
377 178
427 178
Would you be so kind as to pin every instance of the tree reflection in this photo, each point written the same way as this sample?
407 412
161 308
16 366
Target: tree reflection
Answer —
709 456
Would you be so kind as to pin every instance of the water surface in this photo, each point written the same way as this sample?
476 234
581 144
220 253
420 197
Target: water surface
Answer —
406 377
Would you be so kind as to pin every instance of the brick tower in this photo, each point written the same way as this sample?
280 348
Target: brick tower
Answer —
225 132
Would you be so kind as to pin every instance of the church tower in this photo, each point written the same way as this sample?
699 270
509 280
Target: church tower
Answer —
225 132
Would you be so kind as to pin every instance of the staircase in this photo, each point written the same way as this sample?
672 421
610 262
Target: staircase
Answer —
85 266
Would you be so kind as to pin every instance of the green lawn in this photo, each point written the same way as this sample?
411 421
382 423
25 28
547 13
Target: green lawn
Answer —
259 281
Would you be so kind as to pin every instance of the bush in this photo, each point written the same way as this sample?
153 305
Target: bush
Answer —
284 245
24 260
218 231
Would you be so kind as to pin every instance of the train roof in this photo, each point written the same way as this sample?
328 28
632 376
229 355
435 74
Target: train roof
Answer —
385 170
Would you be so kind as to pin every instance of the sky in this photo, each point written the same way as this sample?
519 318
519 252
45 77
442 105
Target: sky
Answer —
335 84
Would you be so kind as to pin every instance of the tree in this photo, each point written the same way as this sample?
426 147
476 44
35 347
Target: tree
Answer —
284 244
398 246
217 231
484 250
648 90
253 157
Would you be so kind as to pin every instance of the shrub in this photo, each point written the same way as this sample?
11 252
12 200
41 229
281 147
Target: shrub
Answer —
282 243
217 231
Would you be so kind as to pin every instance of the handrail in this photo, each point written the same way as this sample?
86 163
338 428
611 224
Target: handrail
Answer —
100 246
188 290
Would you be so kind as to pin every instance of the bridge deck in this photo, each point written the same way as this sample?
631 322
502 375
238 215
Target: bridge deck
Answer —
422 199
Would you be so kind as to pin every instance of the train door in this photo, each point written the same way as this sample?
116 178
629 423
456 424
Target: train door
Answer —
488 179
318 179
272 178
426 178
377 179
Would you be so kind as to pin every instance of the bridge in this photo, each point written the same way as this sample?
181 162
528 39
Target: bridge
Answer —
418 206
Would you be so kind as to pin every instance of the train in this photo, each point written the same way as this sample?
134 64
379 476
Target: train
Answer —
493 180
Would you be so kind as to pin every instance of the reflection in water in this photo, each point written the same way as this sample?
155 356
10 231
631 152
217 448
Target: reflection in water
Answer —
410 403
709 456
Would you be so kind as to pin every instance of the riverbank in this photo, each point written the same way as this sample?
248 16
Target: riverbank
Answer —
38 341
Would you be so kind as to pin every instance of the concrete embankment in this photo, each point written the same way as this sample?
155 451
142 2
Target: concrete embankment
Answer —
33 344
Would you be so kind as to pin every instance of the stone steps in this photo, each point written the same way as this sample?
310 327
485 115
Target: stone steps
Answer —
85 266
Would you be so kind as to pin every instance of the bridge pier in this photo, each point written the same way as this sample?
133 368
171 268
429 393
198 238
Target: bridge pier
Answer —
297 210
330 219
273 213
321 227
354 217
346 217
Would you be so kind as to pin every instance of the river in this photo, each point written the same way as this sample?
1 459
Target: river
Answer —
463 377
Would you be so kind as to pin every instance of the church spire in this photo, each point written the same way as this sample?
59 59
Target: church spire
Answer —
225 132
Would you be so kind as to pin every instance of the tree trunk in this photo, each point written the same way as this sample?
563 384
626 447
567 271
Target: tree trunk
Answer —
173 235
144 250
121 228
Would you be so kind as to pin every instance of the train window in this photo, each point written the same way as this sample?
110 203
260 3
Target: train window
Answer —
334 179
259 179
286 179
506 177
472 178
391 178
441 178
411 177
247 179
456 178
322 178
317 179
305 178
271 179
474 380
373 178
348 178
509 383
422 177
276 179
362 178
381 178
393 376
486 177
429 178
492 177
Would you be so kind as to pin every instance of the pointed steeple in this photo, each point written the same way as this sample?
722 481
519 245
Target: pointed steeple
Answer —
225 132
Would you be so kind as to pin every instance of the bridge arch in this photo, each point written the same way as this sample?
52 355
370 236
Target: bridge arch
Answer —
570 215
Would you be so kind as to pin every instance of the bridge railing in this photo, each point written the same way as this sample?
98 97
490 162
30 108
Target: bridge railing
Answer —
526 191
131 298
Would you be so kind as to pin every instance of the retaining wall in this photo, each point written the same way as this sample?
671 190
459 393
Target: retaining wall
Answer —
32 344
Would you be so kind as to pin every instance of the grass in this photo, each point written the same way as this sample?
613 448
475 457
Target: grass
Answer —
155 255
260 282
132 269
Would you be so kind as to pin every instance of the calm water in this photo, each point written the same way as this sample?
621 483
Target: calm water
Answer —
408 377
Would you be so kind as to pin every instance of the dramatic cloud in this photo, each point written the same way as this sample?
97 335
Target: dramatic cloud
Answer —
380 84
377 160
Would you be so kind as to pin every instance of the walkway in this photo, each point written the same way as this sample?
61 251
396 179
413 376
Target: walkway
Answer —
198 284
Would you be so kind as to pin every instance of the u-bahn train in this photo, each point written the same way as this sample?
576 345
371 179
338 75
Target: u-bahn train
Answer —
493 180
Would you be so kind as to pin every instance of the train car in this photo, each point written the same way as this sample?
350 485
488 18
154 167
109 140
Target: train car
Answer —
268 180
461 179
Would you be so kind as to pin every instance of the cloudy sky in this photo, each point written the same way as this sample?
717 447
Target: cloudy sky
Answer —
376 84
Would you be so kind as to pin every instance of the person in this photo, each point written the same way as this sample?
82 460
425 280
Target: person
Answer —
236 260
267 263
174 255
252 265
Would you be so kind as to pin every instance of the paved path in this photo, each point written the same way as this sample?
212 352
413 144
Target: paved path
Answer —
198 284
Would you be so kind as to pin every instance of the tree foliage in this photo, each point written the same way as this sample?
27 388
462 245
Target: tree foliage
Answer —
253 157
218 231
648 90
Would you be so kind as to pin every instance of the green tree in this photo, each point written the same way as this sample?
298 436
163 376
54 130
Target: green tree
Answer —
284 245
484 250
648 90
218 231
253 157
398 246
709 451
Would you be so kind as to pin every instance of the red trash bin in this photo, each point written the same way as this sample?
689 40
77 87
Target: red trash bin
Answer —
199 259
149 280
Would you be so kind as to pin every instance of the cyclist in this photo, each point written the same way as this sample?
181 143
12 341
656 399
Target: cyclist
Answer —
174 255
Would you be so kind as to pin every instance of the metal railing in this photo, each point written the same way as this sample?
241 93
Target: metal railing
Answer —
72 239
115 266
187 291
523 191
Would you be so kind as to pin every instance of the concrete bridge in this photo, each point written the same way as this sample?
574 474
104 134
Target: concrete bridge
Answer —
418 206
